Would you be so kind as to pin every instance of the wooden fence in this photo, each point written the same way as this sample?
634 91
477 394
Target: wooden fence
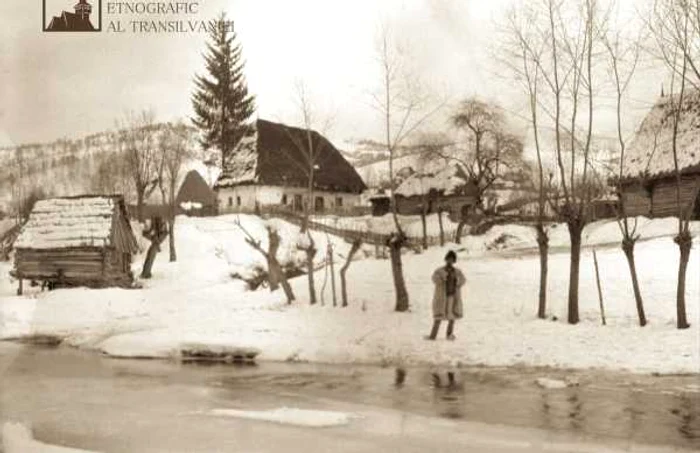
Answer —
354 233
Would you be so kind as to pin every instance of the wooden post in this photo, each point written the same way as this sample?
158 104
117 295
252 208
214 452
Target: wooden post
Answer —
332 269
20 290
600 290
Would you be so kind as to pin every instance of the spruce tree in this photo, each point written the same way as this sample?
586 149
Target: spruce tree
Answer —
221 102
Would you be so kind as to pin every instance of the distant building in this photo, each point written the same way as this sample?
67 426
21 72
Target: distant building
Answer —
78 21
449 190
195 197
77 241
649 180
270 170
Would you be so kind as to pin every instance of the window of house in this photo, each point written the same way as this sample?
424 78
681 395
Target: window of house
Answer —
238 201
230 201
284 199
339 202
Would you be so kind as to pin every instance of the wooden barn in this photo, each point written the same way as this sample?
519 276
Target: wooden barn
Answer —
649 184
195 197
449 190
76 241
270 169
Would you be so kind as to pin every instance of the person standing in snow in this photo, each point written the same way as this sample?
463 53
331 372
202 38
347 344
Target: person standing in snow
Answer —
447 300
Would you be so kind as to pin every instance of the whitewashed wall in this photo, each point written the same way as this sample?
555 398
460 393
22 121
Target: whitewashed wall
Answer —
245 197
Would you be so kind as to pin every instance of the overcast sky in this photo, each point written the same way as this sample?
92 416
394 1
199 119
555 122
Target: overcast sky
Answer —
69 85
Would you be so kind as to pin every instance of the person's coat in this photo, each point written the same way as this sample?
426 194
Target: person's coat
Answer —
440 307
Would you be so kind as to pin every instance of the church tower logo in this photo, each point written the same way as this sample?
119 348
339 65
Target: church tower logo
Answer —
84 18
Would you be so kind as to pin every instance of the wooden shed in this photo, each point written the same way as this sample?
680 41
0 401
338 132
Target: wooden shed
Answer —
195 197
449 190
77 241
649 181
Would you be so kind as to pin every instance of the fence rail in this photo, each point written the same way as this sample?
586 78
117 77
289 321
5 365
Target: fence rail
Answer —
352 234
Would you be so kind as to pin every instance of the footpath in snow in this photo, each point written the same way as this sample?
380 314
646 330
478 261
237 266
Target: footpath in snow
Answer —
195 301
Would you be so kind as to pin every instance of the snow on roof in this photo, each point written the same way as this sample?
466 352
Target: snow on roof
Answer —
69 222
446 181
241 167
651 150
277 154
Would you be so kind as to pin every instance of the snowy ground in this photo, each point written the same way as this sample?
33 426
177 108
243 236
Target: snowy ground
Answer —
195 301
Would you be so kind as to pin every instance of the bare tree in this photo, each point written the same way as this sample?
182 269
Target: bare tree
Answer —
356 244
310 147
275 272
404 108
568 35
524 47
137 142
623 56
675 26
175 148
491 149
155 232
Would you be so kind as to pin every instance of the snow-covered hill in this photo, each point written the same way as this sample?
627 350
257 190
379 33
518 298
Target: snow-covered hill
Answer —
60 168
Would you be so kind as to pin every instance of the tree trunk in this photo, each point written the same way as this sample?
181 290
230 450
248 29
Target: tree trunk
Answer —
442 228
286 287
156 233
274 273
460 231
343 270
310 254
277 276
153 250
274 269
543 246
139 205
575 233
425 229
395 245
685 243
171 240
628 244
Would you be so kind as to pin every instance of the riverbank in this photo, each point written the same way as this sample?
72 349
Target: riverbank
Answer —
82 400
194 302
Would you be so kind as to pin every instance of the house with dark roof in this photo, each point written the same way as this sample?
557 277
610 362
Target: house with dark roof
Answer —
78 21
648 183
270 168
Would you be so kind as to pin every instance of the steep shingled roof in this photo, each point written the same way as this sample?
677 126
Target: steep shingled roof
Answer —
194 189
276 154
650 153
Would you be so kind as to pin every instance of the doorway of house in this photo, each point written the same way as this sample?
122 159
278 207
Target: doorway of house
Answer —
298 203
319 204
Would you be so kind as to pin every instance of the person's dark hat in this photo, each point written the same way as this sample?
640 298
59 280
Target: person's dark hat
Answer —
451 255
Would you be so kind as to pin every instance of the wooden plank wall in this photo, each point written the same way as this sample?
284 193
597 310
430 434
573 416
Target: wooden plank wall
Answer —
664 202
637 200
80 266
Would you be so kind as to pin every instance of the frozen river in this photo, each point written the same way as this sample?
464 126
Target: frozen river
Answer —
87 401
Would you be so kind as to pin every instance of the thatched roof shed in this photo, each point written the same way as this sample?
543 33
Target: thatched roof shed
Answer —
650 154
77 241
449 189
649 176
195 196
277 155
